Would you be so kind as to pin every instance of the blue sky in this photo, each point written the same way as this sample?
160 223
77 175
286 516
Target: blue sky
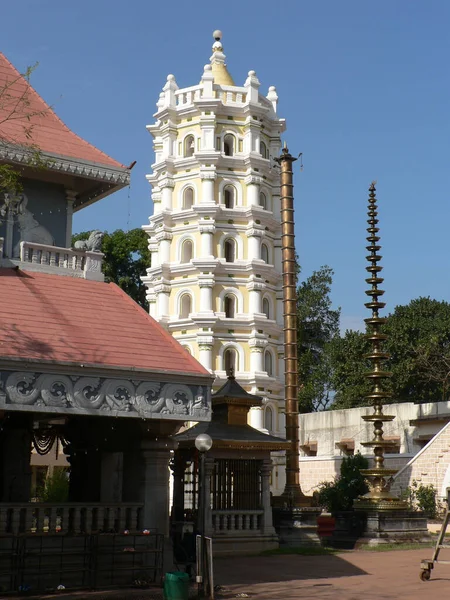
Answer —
363 85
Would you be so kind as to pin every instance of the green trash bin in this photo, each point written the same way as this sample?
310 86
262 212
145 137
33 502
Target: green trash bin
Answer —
176 586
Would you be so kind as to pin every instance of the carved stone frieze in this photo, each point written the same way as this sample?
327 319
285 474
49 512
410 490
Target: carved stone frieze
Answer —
91 395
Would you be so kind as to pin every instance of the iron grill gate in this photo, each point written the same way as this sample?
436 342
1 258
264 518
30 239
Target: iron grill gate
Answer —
236 484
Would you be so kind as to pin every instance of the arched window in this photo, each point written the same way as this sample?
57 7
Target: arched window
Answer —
187 251
188 198
189 146
266 307
268 418
230 306
265 253
228 145
230 360
263 200
229 250
185 306
229 194
188 350
268 363
263 149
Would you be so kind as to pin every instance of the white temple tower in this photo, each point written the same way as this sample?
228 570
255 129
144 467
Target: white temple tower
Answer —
215 279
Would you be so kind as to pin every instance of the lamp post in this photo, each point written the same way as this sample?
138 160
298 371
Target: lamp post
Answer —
203 443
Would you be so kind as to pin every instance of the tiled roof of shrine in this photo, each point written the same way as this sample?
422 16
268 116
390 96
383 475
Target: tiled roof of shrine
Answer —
22 111
68 320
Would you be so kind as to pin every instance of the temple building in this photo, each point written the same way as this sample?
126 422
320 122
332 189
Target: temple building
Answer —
81 363
215 240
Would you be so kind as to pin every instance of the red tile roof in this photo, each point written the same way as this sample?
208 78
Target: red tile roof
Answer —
69 320
48 132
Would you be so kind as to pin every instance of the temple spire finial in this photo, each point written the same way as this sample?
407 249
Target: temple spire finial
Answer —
218 64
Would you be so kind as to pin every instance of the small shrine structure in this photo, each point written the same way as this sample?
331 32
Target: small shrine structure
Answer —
238 470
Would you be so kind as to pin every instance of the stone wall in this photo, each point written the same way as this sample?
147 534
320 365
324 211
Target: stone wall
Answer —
315 470
430 466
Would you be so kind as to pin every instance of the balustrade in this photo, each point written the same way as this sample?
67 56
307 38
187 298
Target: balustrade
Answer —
81 263
69 517
237 520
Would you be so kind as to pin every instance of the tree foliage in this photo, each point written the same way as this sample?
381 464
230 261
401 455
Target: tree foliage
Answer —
318 325
419 345
338 495
17 107
126 259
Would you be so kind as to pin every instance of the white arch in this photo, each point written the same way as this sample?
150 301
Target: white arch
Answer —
268 352
239 245
187 347
269 300
181 194
236 136
237 294
269 418
183 144
178 297
179 246
269 252
274 410
237 186
239 352
265 190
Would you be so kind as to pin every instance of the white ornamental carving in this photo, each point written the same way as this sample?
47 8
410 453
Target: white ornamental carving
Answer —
56 390
87 393
20 387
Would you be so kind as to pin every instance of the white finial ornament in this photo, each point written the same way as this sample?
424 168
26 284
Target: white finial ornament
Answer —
217 35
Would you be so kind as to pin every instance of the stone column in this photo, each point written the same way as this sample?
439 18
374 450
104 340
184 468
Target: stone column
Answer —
209 468
111 477
208 177
207 229
154 485
15 459
253 185
254 236
256 417
205 352
166 185
266 469
255 302
164 239
163 295
70 199
206 284
178 468
256 354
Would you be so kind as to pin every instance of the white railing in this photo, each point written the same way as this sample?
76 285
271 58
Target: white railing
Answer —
69 517
228 95
78 263
228 521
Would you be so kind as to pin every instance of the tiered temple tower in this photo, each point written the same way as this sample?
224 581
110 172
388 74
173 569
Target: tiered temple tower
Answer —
215 277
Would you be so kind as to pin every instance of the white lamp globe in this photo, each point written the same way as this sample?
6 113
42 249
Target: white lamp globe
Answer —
203 442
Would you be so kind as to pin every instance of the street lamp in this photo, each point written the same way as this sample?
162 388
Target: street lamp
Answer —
203 443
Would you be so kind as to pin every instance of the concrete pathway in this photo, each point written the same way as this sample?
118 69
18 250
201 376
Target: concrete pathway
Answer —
355 575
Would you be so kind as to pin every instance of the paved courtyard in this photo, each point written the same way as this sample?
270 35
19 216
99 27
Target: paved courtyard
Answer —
355 575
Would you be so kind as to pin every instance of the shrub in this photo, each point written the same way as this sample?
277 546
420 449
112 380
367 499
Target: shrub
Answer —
56 487
338 495
422 497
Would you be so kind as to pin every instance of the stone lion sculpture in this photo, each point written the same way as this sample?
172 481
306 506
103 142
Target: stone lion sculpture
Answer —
93 243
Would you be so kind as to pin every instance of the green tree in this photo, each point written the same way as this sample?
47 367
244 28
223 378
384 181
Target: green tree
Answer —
15 105
318 325
126 259
419 345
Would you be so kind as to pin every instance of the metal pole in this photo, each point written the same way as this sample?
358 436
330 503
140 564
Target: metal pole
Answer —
292 494
204 568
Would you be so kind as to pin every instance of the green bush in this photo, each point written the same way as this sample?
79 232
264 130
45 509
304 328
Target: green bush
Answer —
338 495
422 497
56 487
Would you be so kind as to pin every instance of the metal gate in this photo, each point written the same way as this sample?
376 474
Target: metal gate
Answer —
40 563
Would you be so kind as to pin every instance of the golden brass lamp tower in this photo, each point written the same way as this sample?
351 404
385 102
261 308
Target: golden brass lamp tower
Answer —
292 495
379 497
